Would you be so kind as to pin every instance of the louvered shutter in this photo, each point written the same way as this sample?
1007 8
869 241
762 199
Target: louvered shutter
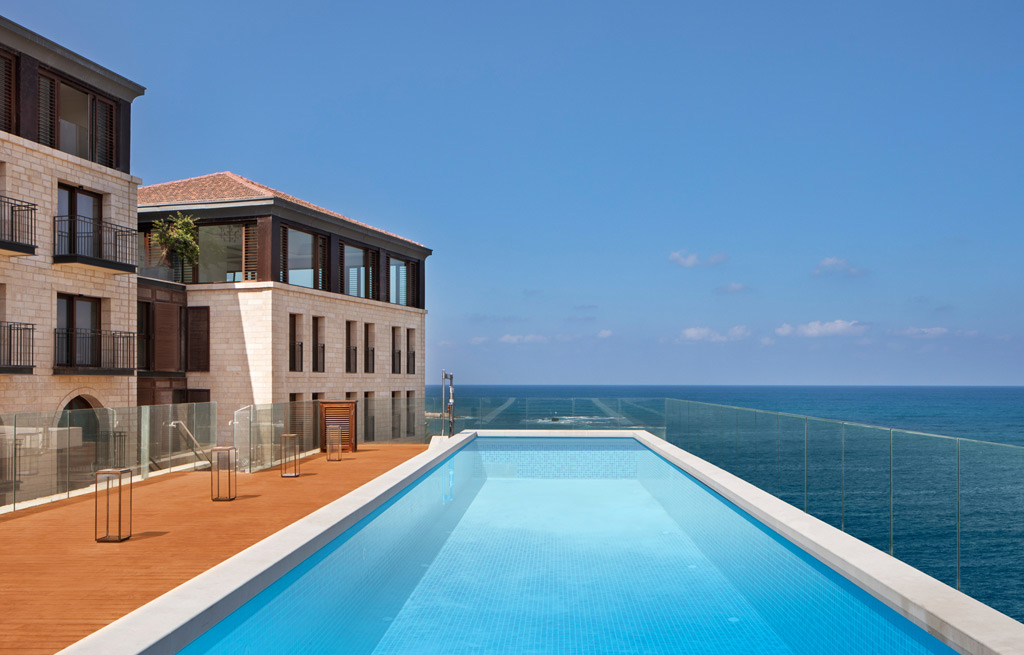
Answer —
250 252
198 339
321 263
371 275
47 111
385 290
166 337
6 93
103 132
341 416
284 254
341 268
413 283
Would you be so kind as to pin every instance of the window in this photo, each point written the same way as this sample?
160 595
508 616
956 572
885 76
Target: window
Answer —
398 282
294 345
410 351
303 258
368 354
145 331
78 223
220 253
77 337
396 350
355 272
319 347
351 352
318 395
76 121
197 334
410 418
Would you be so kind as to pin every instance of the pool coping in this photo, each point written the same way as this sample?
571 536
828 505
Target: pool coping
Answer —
172 621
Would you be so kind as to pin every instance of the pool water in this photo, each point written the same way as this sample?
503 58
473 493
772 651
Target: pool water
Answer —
574 545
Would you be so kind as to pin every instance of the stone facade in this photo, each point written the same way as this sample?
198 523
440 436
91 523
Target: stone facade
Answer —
29 284
249 346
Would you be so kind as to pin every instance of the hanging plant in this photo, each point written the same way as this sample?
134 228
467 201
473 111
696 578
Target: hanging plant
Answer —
177 235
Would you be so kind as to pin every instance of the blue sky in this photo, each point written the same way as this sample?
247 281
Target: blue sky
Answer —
627 193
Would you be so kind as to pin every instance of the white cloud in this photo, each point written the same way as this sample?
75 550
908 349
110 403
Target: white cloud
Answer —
523 338
923 333
732 287
767 341
837 266
604 334
736 333
784 330
836 328
476 341
689 260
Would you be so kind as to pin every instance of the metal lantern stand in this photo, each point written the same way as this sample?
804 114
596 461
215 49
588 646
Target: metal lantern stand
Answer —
224 473
289 455
113 505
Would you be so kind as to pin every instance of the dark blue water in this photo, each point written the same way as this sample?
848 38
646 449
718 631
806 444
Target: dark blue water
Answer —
953 508
983 413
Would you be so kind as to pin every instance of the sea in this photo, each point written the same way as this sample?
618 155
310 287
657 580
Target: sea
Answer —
983 413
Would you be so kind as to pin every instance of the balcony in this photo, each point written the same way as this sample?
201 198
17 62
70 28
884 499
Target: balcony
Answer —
396 362
17 227
89 241
368 365
295 357
93 352
16 346
320 358
351 360
410 365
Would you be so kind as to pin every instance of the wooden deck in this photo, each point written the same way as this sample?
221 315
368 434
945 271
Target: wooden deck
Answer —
58 585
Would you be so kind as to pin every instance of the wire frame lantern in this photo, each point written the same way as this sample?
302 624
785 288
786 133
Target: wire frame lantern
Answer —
113 505
289 455
224 473
334 444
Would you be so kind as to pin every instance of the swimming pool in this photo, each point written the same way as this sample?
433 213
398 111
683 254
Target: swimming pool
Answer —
575 545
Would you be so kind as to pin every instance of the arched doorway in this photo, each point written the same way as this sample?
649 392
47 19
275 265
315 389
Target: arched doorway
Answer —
81 442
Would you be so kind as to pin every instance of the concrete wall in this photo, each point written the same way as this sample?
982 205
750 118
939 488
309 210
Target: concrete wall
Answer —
30 172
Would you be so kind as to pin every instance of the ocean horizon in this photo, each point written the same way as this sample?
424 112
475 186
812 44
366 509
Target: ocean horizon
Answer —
984 413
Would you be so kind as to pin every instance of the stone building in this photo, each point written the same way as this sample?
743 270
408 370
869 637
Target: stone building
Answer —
67 229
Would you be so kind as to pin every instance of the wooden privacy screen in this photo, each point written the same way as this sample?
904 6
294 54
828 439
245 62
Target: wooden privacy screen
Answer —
339 414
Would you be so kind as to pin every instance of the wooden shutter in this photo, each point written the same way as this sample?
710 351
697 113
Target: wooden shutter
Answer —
371 275
321 261
341 268
284 254
385 287
103 129
250 252
198 339
166 337
47 111
341 416
412 283
6 92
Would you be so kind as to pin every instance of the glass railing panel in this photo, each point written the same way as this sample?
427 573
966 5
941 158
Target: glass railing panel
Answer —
240 437
866 484
35 465
924 502
793 460
676 433
746 457
992 524
825 470
766 445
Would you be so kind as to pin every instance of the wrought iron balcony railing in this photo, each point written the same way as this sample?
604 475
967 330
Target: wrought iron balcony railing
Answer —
102 350
295 356
92 241
396 362
368 365
320 358
17 225
351 360
16 345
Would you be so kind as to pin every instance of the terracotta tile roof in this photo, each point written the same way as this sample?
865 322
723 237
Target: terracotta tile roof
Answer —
226 187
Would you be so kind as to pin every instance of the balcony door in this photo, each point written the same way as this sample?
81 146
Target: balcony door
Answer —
79 217
78 331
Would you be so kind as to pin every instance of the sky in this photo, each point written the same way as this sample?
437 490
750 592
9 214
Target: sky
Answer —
626 193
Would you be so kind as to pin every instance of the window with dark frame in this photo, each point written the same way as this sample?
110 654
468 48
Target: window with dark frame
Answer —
319 347
77 121
304 258
77 340
294 345
79 222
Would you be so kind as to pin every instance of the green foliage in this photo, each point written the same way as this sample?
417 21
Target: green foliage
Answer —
177 234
